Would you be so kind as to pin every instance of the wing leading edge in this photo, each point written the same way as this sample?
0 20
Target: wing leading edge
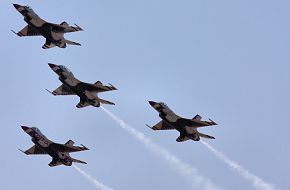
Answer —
161 126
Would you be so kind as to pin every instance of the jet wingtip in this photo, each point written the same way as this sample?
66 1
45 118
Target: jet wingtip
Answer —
113 87
213 122
149 127
85 148
50 92
79 28
22 151
16 33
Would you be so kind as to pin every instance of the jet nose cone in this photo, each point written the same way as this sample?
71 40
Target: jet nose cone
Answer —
16 6
24 128
152 103
51 65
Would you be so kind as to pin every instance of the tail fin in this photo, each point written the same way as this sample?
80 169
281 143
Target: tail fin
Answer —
98 83
197 117
64 23
78 161
69 142
205 136
72 43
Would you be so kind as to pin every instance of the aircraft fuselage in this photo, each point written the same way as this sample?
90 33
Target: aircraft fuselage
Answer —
78 88
180 125
49 147
46 29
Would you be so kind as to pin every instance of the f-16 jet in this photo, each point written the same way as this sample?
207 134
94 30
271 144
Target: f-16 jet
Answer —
186 127
86 91
58 152
53 33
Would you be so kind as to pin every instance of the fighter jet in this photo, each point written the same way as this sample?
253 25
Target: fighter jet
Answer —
186 127
58 152
86 91
53 33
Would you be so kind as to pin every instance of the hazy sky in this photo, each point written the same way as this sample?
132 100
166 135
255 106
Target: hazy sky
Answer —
225 60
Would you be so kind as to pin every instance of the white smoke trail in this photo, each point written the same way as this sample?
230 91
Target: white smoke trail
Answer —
257 182
96 183
191 174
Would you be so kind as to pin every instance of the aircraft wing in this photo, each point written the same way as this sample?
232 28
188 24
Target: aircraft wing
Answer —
198 123
63 90
97 87
65 28
27 31
161 126
69 148
34 150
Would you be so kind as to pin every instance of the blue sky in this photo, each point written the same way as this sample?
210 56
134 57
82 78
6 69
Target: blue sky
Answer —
225 60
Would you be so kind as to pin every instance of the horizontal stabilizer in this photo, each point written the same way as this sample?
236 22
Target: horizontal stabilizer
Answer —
78 161
72 43
106 102
205 136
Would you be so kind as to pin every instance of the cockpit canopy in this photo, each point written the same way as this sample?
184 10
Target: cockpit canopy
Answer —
28 8
64 68
163 104
35 129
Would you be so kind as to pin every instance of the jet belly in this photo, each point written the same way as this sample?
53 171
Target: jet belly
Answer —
180 126
44 146
46 30
75 86
35 22
43 28
177 126
54 153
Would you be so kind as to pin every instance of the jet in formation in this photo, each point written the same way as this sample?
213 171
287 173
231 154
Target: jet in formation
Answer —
186 127
53 33
58 152
86 91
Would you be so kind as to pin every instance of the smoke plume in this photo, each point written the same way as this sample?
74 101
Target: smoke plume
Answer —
189 173
257 182
94 181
